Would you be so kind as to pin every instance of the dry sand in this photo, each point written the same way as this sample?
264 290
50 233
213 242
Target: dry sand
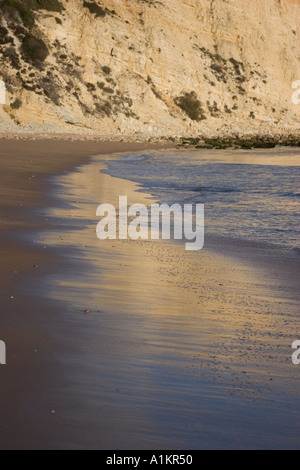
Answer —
178 351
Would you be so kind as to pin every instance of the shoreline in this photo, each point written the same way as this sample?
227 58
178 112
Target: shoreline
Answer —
193 319
25 171
233 141
167 340
245 142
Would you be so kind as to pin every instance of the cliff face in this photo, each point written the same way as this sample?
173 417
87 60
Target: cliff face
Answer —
165 67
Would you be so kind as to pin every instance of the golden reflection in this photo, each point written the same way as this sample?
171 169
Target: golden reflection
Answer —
209 313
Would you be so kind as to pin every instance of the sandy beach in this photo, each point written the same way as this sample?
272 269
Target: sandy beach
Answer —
26 166
176 351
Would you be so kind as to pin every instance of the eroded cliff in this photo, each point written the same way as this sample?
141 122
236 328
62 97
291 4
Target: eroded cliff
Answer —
152 68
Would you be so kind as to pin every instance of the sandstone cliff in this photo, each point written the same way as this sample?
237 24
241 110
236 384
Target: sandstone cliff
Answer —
150 67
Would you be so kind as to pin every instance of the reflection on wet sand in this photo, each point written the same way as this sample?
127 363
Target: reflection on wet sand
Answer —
178 350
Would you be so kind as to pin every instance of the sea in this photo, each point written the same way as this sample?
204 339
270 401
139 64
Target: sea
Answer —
249 195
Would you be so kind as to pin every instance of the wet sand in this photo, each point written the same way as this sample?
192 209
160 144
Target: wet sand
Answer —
178 351
26 169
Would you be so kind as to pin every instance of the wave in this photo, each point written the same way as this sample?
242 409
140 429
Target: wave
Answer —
202 189
250 202
291 194
135 158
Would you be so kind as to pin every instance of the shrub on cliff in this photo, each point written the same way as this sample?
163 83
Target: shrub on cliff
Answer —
95 9
18 11
49 5
190 104
16 104
35 49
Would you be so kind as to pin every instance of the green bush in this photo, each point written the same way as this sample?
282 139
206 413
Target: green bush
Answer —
49 5
23 10
190 104
16 104
106 70
17 11
95 9
109 90
34 48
